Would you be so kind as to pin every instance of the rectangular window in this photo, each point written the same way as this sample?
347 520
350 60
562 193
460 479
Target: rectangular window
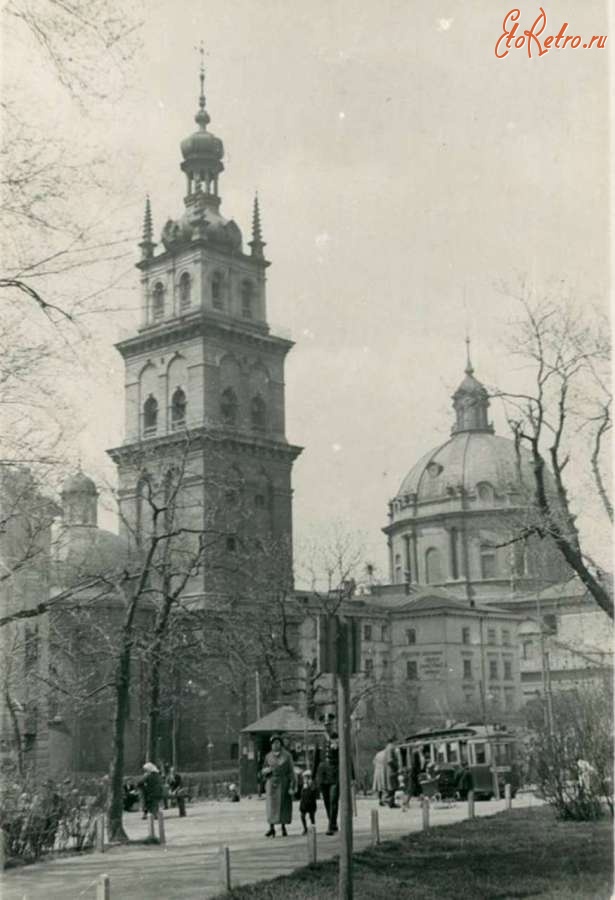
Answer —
367 632
528 650
385 632
508 673
411 636
509 700
467 668
385 668
369 667
412 670
234 752
550 622
479 754
465 635
491 636
493 668
506 637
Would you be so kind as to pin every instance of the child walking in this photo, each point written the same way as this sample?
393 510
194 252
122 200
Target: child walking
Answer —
307 803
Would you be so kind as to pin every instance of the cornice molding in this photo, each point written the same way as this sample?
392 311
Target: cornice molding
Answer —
201 323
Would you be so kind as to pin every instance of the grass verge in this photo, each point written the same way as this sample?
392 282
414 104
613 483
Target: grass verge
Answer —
523 853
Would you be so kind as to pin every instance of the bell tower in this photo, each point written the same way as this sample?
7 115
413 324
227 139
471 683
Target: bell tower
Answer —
204 375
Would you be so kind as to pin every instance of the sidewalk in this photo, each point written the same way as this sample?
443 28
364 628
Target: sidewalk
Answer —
188 867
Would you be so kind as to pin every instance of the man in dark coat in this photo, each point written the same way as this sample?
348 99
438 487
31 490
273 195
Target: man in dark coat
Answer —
327 781
152 789
464 781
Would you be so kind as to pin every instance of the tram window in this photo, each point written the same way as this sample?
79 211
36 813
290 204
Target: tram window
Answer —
463 748
453 752
441 753
426 751
479 754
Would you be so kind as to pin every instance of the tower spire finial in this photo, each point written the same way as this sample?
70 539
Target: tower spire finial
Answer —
469 367
202 117
257 244
147 244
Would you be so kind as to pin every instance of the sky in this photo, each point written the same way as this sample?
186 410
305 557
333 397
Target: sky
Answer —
408 181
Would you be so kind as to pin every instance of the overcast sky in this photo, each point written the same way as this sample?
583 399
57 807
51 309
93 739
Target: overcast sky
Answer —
404 174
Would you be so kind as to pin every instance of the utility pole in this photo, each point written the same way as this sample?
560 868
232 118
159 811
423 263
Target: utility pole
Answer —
343 705
257 680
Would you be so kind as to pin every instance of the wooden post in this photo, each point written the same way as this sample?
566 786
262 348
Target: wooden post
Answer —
225 867
100 834
103 888
425 811
508 796
375 828
2 849
161 834
354 800
152 831
470 804
345 864
311 842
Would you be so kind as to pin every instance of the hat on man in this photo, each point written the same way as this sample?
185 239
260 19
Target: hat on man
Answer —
150 767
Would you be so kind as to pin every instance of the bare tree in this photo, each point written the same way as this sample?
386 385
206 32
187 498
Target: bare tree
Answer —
564 420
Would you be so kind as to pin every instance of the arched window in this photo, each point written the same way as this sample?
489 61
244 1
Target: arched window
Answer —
185 287
228 406
433 566
520 559
488 561
150 415
485 492
398 575
247 299
216 290
158 302
258 412
178 409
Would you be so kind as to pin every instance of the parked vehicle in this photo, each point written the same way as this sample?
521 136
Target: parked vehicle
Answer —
490 752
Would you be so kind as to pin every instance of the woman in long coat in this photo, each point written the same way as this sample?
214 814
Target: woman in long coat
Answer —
279 772
379 784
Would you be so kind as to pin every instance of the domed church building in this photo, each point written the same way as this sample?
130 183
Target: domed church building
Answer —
459 518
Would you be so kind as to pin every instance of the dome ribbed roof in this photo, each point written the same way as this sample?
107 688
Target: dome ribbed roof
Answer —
469 458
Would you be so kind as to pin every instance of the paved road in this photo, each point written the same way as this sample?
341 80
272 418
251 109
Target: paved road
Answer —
188 867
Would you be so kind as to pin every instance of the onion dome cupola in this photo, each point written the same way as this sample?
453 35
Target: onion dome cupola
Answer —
471 403
202 155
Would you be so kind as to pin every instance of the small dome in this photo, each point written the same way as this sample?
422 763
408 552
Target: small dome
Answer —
206 223
79 484
85 553
202 144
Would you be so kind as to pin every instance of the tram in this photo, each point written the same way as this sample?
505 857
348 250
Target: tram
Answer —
490 752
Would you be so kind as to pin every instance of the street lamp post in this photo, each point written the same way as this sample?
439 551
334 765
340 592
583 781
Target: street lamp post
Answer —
210 755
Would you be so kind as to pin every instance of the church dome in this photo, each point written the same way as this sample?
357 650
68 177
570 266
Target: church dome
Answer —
85 553
79 483
470 460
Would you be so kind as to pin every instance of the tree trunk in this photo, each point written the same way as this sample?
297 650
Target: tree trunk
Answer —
122 692
154 708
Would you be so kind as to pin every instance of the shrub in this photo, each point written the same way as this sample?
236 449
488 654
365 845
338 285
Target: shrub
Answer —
38 819
571 756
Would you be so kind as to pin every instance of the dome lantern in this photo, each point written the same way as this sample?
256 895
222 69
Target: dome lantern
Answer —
202 155
471 402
